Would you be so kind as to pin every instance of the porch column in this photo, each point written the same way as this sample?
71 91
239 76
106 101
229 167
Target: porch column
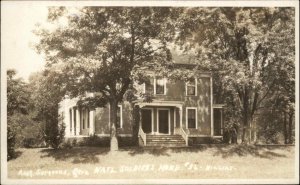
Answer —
92 122
78 121
180 112
73 121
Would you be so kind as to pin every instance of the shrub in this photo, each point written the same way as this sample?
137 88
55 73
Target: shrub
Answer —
11 142
54 135
67 145
95 140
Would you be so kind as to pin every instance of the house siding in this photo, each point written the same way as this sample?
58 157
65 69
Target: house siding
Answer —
175 92
102 121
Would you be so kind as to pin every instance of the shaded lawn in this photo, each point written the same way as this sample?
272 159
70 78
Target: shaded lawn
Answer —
205 161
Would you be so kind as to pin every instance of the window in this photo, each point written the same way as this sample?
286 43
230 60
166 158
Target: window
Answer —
119 117
191 87
191 117
75 121
160 86
156 86
82 116
149 86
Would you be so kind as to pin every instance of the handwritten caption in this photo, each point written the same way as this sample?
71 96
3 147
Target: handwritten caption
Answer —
80 172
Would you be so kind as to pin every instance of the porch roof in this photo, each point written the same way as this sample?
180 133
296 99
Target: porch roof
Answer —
218 105
160 103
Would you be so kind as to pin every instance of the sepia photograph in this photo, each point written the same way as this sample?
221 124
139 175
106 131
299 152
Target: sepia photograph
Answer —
150 92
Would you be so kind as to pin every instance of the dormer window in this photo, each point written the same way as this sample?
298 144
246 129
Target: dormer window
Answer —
191 87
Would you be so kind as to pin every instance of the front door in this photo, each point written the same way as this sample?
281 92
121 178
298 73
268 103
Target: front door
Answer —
163 121
147 120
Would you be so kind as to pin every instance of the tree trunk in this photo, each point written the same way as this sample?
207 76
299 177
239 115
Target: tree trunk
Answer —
113 120
254 132
250 132
291 115
285 128
246 130
136 119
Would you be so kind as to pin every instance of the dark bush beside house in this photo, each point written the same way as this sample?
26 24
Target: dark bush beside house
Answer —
92 140
96 141
226 136
11 141
54 136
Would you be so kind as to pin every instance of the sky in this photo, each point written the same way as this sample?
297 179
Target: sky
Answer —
17 22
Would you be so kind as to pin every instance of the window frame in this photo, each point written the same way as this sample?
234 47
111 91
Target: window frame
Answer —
165 85
196 117
70 119
196 89
121 117
154 86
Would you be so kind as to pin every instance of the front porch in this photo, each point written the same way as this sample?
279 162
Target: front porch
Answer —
170 123
160 124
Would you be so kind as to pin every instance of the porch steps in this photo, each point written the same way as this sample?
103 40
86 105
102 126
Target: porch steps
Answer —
165 140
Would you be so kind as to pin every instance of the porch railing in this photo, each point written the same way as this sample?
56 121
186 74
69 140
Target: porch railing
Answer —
143 135
184 135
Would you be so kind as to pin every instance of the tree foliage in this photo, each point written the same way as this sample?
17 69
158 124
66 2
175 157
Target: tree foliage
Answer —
17 104
46 95
251 52
102 50
17 94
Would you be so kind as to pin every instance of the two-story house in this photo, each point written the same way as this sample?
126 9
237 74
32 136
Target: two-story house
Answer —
181 113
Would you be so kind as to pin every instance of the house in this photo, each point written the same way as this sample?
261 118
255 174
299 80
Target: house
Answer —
181 113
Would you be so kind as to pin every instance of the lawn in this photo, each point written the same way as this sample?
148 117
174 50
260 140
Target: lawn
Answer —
202 162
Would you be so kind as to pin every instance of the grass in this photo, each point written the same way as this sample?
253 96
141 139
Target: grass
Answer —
202 162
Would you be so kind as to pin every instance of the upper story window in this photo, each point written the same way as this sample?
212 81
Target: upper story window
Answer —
149 86
160 86
156 86
191 87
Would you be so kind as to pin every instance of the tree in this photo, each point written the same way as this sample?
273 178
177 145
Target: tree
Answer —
103 50
243 47
17 94
46 95
17 103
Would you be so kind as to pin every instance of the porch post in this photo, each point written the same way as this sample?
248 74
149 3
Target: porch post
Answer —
78 121
73 122
92 122
180 112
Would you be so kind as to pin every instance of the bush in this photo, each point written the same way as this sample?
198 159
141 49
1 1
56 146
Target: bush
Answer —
66 145
27 131
54 135
95 140
271 136
11 142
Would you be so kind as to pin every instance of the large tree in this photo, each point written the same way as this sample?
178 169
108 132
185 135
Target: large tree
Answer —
244 48
103 49
46 93
17 94
17 106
